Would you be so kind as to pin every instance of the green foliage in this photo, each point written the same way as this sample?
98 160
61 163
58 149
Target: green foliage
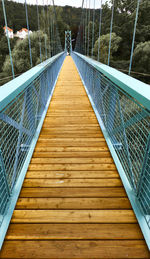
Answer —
141 57
4 49
69 18
20 53
104 46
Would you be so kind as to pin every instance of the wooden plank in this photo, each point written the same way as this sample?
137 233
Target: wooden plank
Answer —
83 113
69 120
70 149
73 192
87 154
71 142
72 203
72 174
73 216
78 107
69 135
73 231
79 128
72 160
72 183
73 167
75 249
82 140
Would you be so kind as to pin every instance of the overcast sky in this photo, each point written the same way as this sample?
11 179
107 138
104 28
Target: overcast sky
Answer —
76 3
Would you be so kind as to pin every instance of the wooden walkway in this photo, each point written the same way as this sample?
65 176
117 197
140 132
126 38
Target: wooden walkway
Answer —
72 204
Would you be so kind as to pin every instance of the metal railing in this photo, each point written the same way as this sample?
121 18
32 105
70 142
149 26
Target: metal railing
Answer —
122 106
23 105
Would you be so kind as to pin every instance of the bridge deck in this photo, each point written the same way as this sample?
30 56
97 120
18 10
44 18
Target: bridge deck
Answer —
72 204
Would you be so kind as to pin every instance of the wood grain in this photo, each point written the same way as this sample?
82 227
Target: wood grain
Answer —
72 203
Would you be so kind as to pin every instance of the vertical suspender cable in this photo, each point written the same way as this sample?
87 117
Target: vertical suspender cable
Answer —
93 29
83 24
88 31
99 37
82 29
112 16
51 32
59 46
54 29
28 33
10 55
133 40
48 29
44 30
39 30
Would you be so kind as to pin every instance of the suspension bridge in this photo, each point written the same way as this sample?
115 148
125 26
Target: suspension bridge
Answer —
74 156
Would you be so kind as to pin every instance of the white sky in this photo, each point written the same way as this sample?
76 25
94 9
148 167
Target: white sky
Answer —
76 3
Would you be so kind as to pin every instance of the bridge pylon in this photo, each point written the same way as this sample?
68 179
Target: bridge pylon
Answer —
68 42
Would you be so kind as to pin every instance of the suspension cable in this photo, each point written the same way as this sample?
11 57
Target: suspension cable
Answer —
111 31
51 31
133 40
93 30
10 54
48 29
59 46
86 28
37 8
88 31
27 21
99 37
45 30
83 24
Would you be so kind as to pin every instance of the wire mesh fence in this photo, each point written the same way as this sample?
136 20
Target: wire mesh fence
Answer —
18 123
128 124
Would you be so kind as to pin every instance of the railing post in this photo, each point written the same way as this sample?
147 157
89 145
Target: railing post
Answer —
126 144
112 109
18 143
30 110
4 188
143 190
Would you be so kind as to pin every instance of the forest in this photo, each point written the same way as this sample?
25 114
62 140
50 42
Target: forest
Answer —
70 18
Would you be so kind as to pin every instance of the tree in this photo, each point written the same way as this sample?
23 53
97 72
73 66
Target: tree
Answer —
104 46
141 57
20 53
4 51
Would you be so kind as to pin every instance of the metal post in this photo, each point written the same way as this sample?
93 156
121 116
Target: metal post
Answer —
133 40
10 54
4 197
111 31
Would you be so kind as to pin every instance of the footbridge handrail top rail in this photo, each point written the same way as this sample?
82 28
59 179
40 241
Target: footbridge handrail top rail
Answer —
14 87
137 89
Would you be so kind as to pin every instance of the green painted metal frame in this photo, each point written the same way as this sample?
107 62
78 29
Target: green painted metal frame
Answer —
8 92
137 89
141 92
